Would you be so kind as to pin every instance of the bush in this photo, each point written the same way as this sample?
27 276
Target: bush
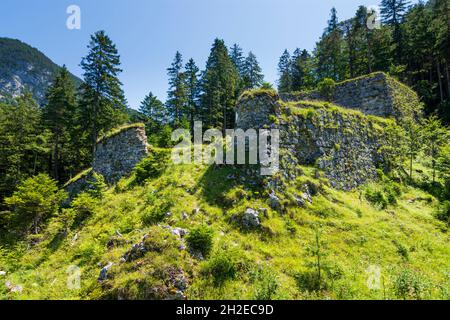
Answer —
36 199
156 214
410 285
382 197
97 186
84 205
326 88
443 212
222 267
266 286
200 239
152 166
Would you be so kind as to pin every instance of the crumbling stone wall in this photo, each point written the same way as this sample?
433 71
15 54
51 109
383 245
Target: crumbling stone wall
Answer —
375 94
344 143
117 155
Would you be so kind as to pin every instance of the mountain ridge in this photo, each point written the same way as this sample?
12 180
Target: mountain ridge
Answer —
25 67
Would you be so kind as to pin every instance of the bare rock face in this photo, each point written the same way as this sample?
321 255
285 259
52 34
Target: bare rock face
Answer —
117 155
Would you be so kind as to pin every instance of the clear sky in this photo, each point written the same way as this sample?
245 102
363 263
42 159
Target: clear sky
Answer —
149 32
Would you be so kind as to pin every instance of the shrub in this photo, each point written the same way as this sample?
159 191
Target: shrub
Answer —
376 197
200 239
443 212
266 284
222 267
84 205
326 88
97 186
152 166
36 199
410 285
155 215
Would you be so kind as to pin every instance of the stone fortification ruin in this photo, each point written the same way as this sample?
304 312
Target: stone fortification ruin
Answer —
344 137
115 156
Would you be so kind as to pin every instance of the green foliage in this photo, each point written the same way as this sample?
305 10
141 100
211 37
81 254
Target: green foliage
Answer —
153 165
222 266
383 196
35 200
443 212
97 186
410 285
84 205
326 88
200 239
103 104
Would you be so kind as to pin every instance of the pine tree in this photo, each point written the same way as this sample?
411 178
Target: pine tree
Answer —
252 76
177 95
192 90
219 88
58 117
103 101
284 71
393 12
154 113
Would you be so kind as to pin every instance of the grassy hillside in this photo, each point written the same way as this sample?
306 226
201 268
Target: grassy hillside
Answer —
365 252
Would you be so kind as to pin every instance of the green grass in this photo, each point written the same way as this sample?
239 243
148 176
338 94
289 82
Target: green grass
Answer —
118 130
404 242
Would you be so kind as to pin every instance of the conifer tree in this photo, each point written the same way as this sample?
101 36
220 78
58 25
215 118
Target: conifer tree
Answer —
192 91
154 113
58 116
219 88
103 102
177 95
302 73
284 71
393 12
252 76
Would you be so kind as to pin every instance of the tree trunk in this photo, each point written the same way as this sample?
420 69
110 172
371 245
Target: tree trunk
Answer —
448 79
94 126
410 167
441 91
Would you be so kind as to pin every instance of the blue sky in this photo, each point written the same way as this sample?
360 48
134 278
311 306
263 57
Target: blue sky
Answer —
149 32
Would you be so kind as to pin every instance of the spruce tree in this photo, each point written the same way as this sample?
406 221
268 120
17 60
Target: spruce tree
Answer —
284 71
393 12
103 101
154 113
238 59
219 88
192 91
58 116
177 95
302 73
252 76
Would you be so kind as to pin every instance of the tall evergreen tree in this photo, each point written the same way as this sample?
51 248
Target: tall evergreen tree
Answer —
24 144
302 70
237 56
192 91
58 116
177 95
103 101
329 51
219 88
252 76
284 71
393 12
154 113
